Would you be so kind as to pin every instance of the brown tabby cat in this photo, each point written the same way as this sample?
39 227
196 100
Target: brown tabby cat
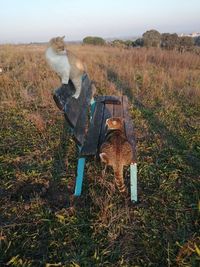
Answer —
116 151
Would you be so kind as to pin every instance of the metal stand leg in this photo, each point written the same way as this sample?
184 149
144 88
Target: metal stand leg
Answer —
133 176
79 177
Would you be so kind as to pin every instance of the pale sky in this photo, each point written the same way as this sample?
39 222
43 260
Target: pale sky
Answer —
39 20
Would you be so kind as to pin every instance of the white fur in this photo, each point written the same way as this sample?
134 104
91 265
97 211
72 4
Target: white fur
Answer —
77 82
59 63
103 157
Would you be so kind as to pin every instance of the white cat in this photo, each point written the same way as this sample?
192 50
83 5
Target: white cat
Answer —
59 63
65 64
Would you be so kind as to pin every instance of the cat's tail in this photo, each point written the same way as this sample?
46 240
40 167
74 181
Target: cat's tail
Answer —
119 179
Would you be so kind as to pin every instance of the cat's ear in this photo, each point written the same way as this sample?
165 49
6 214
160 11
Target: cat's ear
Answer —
107 121
63 37
104 157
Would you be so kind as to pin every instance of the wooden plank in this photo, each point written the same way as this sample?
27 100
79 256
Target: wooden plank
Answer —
62 94
101 98
118 110
71 111
74 107
80 128
129 126
108 99
108 113
92 138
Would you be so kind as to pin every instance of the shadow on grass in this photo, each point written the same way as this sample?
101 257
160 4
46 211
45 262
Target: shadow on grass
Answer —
58 166
58 194
122 86
76 209
189 156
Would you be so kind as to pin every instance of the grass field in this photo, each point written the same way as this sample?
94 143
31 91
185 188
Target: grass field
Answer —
40 222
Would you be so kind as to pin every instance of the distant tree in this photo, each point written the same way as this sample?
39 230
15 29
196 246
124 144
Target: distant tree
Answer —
94 40
122 44
169 41
186 41
138 42
118 43
128 43
197 41
151 38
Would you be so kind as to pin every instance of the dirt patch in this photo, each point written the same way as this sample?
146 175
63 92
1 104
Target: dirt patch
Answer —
56 194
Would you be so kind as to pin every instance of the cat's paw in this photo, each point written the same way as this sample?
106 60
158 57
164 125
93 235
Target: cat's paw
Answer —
76 96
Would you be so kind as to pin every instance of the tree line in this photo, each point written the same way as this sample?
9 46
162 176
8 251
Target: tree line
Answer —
151 38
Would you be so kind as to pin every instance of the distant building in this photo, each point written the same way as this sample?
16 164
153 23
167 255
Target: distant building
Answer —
194 34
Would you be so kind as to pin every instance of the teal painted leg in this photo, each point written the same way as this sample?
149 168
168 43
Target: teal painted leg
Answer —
79 177
81 162
133 174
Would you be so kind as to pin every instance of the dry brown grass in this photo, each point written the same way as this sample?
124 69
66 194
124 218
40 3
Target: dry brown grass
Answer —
144 72
41 222
37 120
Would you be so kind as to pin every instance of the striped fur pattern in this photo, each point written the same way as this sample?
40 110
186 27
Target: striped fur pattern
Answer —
116 151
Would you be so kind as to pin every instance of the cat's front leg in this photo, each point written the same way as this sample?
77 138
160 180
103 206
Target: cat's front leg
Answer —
104 171
65 78
77 82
